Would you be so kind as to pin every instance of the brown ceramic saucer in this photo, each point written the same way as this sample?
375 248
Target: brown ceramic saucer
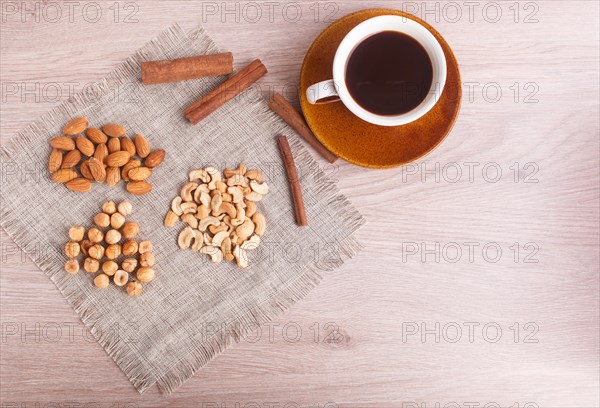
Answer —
360 142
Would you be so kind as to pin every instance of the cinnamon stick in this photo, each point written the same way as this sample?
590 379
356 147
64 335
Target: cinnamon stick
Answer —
290 115
180 69
292 174
230 82
225 92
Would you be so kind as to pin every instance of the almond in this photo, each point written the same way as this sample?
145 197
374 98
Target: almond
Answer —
84 145
85 170
63 175
113 130
141 145
117 159
75 126
55 160
62 143
71 159
139 173
97 170
113 176
127 145
101 152
96 135
114 145
79 185
139 187
130 165
155 158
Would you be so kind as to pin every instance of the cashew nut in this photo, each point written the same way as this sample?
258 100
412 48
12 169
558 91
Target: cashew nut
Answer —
259 188
240 256
185 237
215 253
190 220
176 205
221 186
226 249
205 222
237 180
251 243
199 174
219 237
222 227
255 175
202 188
250 208
254 196
170 219
198 240
205 199
228 209
187 190
216 201
202 212
260 224
240 216
215 175
189 207
245 230
237 196
241 170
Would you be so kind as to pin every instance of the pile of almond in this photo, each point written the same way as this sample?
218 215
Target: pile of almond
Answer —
110 246
103 156
220 213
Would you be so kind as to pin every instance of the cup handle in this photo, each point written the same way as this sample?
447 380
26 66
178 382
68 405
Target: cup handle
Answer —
322 92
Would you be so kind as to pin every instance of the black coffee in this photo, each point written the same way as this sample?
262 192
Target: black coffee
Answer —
389 73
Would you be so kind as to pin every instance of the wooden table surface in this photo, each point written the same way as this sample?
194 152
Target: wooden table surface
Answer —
478 283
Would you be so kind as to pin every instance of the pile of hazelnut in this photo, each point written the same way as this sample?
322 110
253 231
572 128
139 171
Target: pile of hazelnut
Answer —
110 244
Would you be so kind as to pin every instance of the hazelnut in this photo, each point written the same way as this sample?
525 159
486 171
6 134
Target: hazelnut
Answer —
129 264
112 236
147 259
96 251
72 249
102 220
121 277
85 246
130 229
76 233
101 281
109 207
110 267
134 288
129 248
113 251
91 265
72 266
145 274
144 246
95 235
125 208
117 220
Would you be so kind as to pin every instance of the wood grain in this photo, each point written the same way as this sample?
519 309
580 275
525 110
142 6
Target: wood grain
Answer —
396 283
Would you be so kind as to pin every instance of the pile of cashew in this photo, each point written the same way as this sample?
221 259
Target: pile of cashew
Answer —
220 212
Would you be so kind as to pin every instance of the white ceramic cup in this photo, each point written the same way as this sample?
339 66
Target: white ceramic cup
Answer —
336 89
